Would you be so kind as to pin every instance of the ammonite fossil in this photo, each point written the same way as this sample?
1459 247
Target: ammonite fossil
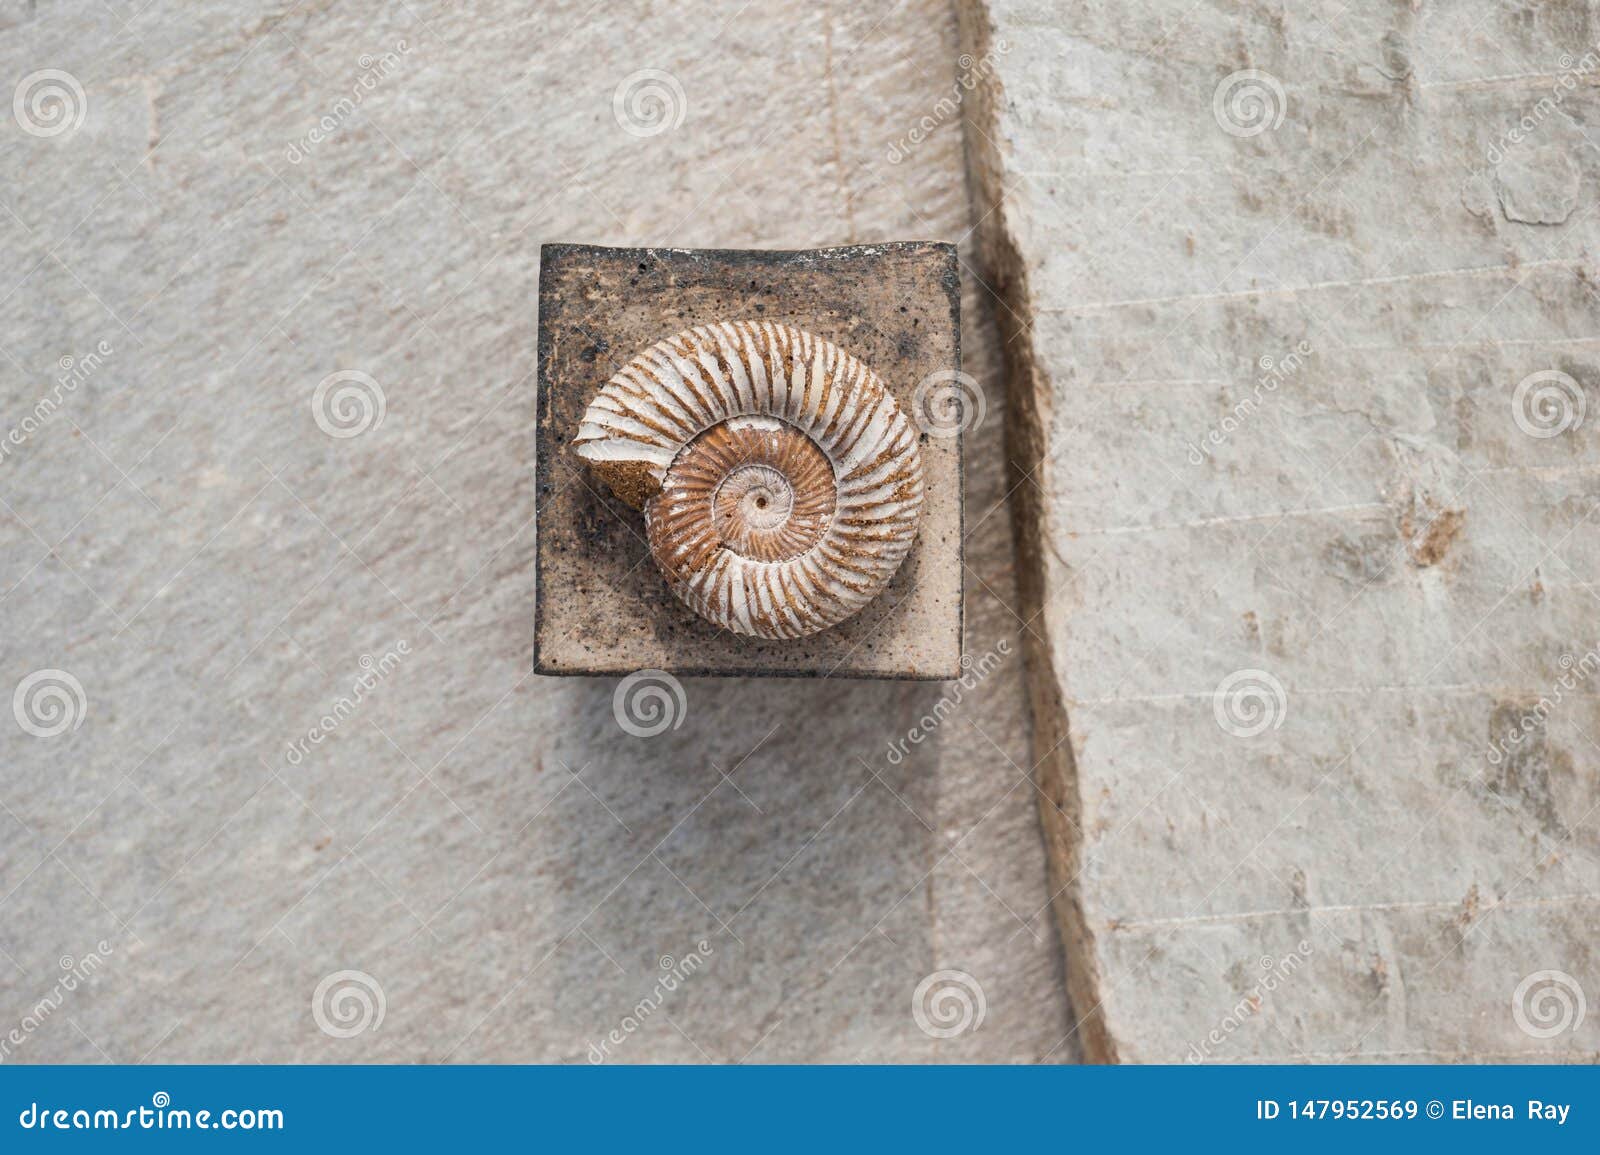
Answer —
780 482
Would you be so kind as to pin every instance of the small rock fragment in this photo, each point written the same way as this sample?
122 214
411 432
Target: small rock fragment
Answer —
1537 186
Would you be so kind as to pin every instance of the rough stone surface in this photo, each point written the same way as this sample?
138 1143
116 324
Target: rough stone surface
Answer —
183 538
1306 537
604 606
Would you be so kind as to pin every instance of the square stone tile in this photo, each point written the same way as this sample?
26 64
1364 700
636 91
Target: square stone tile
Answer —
602 607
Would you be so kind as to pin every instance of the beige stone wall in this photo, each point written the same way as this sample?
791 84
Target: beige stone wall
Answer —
1299 305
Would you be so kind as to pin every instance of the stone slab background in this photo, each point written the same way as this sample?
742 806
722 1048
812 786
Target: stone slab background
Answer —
1299 306
183 537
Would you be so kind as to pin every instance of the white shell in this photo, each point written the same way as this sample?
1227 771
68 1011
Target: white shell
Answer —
781 483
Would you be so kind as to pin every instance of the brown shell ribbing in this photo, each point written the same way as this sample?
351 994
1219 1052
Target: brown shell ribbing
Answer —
780 481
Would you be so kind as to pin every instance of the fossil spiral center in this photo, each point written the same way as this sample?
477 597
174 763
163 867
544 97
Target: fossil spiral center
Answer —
754 485
753 499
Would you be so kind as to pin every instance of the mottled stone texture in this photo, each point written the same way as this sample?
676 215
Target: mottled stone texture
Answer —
604 607
184 538
1298 554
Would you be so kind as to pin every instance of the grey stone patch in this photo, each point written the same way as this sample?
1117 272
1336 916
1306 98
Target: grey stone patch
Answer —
1360 558
16 12
1538 186
1524 760
1478 196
